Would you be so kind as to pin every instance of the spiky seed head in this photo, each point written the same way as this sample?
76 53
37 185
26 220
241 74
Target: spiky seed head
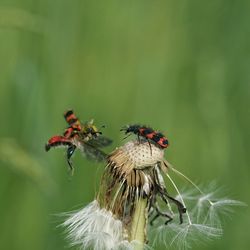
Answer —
137 155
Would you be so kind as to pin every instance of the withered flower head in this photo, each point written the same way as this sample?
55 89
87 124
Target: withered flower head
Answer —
129 176
132 193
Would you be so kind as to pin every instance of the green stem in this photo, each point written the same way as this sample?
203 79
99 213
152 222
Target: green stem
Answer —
138 224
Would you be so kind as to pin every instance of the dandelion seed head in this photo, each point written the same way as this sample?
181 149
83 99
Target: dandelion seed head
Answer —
129 176
133 190
142 154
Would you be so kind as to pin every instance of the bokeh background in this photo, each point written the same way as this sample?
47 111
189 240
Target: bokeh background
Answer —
180 66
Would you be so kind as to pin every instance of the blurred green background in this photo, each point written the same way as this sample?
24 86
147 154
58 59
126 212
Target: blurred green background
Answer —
180 66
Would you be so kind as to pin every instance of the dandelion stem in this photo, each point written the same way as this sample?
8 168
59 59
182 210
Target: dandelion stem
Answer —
138 224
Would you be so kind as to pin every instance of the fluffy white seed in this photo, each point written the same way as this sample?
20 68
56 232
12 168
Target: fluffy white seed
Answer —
95 228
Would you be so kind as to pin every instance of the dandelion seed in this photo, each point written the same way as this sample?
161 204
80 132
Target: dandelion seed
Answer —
204 214
94 227
220 209
190 233
185 235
